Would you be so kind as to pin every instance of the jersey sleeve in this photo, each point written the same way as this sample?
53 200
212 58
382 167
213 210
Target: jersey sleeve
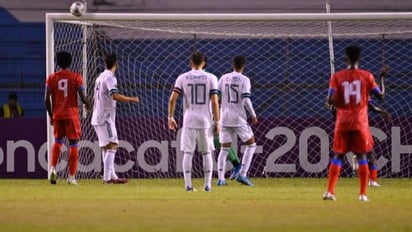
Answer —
178 88
48 82
214 88
332 85
374 87
246 89
112 85
79 82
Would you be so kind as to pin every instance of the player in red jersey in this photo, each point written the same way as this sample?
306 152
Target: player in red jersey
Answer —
349 92
60 99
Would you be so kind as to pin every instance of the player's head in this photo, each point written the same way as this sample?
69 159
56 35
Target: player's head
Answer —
352 53
64 59
238 63
110 60
12 98
197 60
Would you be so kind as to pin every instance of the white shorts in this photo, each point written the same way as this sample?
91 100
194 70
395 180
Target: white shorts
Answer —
227 134
191 137
106 134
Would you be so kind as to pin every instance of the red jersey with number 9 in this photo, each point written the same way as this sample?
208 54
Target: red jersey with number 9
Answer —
63 86
351 88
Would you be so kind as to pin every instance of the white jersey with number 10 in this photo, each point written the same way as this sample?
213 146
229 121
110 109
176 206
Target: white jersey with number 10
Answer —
196 86
233 87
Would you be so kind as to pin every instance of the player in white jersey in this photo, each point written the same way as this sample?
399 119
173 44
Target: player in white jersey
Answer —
199 90
235 97
106 95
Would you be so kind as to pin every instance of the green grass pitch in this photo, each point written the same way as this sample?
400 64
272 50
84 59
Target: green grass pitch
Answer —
290 204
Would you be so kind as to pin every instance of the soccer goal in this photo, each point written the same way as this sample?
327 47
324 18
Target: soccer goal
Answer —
290 58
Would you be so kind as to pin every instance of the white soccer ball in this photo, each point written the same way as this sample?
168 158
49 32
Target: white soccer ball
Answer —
78 9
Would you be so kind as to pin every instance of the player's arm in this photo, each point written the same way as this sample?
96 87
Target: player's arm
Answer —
249 107
84 99
377 109
379 92
214 98
122 98
171 110
47 102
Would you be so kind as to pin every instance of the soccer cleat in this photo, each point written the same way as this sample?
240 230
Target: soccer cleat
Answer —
235 172
53 176
116 181
72 182
190 189
374 184
207 189
329 196
363 198
244 180
221 183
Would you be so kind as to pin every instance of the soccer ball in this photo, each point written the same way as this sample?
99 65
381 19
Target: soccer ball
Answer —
78 9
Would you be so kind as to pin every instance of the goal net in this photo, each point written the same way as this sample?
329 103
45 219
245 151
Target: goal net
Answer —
289 61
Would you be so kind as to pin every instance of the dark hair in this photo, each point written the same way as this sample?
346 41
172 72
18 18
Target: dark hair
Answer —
352 53
197 58
13 95
239 62
205 66
64 59
110 60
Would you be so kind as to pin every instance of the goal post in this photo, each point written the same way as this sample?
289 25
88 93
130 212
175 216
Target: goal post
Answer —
289 61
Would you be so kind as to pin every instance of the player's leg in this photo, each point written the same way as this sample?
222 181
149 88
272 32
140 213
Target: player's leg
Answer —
73 134
246 135
206 147
225 141
373 169
110 154
340 147
58 130
188 146
362 144
234 159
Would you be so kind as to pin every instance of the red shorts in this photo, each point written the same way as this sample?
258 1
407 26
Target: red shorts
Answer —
357 141
69 128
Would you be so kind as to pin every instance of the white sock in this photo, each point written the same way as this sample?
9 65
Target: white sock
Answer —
247 158
207 169
109 165
187 169
221 162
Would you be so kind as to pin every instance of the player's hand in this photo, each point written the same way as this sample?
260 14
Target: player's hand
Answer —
134 99
254 121
384 71
172 124
387 116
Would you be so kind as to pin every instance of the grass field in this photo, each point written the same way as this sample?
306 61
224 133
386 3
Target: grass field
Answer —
163 205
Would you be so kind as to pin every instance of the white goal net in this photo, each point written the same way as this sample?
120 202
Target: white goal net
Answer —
288 62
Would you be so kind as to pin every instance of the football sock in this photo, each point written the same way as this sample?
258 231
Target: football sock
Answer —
373 173
363 175
187 168
73 157
233 158
221 162
55 154
108 164
207 169
334 171
247 158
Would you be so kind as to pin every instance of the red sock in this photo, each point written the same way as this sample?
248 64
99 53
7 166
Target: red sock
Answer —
334 171
73 157
373 173
363 176
55 153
